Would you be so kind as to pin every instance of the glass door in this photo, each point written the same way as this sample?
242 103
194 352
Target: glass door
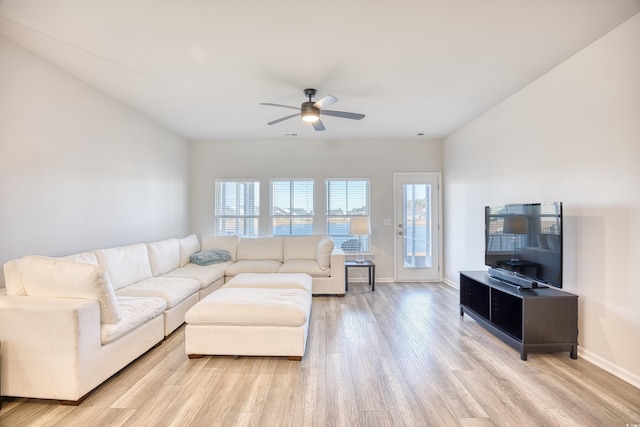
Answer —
417 231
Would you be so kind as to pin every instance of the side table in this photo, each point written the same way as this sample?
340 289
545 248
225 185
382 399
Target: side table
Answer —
366 264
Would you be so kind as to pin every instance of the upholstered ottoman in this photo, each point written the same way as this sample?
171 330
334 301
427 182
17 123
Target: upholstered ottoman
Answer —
269 319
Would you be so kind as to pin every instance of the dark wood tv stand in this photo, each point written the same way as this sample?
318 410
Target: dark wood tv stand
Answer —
529 320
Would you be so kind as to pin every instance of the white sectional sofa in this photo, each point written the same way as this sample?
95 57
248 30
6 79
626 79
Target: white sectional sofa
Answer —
315 255
68 324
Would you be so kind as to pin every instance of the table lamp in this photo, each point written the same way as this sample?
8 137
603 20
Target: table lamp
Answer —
359 225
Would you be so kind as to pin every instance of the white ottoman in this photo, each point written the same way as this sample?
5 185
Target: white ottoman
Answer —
270 319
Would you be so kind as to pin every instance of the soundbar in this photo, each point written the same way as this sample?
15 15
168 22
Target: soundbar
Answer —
515 279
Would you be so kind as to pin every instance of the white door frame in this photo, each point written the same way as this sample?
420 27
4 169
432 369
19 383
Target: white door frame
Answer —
396 218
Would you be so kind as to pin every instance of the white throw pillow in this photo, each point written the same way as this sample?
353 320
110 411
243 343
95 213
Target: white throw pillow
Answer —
325 249
188 246
53 277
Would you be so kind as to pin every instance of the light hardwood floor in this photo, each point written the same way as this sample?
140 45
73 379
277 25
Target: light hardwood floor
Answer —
401 355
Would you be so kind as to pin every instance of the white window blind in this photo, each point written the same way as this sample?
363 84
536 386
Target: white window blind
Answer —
345 198
292 207
237 209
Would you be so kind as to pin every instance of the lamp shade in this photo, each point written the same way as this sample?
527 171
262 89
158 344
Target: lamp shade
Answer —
359 225
515 224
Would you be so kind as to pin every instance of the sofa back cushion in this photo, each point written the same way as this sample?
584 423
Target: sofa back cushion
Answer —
188 246
55 277
300 247
227 243
262 248
164 256
126 265
86 257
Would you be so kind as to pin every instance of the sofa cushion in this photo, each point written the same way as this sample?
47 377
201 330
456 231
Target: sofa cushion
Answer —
304 266
271 281
228 243
188 246
324 251
252 307
86 257
173 290
135 311
264 248
164 256
259 266
206 275
54 277
210 256
126 264
300 247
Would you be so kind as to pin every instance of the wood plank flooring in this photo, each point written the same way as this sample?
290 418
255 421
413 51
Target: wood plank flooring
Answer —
399 356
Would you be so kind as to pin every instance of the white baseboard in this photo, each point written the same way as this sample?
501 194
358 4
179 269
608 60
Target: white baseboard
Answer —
612 368
451 283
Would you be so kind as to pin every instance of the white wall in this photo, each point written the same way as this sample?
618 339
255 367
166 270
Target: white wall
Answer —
574 136
319 159
78 170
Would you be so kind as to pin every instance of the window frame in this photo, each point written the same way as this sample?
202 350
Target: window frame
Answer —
245 219
342 220
292 217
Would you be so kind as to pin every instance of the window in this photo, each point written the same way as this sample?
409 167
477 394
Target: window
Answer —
237 209
345 198
292 207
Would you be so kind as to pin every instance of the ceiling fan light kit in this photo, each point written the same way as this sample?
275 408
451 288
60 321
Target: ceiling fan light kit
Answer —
310 111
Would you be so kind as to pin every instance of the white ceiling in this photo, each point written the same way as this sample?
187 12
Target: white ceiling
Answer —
201 67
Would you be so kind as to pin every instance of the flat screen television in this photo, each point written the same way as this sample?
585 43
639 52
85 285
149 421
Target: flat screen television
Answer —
523 243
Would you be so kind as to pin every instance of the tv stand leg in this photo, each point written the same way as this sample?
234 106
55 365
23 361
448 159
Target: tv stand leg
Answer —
523 355
461 312
573 353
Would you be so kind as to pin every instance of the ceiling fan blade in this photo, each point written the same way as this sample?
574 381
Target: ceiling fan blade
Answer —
279 105
281 119
318 125
327 100
342 114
